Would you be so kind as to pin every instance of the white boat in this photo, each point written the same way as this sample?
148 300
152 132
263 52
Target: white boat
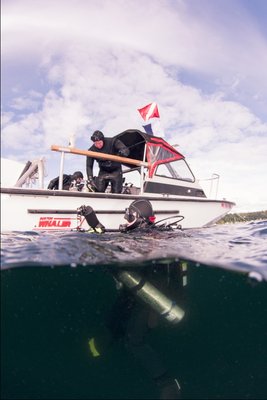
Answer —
154 170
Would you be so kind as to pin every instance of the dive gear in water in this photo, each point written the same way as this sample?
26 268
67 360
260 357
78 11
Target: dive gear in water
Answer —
152 296
94 225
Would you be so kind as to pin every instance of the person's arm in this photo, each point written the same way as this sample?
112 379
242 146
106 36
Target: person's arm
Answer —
121 149
67 181
89 167
53 184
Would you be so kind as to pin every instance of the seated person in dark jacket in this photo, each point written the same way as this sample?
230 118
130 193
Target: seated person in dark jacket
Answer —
70 182
109 171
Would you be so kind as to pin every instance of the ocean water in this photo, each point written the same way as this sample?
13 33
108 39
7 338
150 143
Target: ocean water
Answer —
60 290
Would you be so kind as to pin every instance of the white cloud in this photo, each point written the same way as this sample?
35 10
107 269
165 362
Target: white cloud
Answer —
61 117
182 33
30 101
24 133
244 167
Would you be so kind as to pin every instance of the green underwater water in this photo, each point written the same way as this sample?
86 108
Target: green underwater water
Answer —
219 349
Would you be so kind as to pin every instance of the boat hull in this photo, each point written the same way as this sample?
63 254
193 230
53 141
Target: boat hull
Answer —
41 210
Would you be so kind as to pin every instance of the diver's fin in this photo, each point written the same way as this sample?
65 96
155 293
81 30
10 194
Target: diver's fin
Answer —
92 347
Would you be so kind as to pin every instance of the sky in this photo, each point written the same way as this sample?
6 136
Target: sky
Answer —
69 67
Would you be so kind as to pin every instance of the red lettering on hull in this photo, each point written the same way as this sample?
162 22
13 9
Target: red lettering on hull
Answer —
51 222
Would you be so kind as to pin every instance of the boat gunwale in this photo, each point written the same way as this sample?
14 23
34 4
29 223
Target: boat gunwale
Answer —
64 193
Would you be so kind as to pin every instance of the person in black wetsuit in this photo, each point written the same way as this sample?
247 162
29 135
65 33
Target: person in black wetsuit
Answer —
139 215
145 299
69 181
133 316
109 171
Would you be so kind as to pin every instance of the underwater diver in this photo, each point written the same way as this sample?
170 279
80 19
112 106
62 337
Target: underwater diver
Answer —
146 299
143 302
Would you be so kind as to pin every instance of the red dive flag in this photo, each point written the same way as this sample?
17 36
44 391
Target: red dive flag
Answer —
149 111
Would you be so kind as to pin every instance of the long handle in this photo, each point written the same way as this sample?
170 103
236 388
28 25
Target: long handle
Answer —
94 154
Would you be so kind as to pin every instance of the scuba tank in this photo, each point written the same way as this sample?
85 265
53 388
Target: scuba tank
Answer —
152 296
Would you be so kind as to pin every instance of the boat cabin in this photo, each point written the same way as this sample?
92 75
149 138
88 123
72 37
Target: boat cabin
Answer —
167 171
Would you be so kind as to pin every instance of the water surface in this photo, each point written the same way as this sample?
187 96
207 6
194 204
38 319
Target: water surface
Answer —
60 290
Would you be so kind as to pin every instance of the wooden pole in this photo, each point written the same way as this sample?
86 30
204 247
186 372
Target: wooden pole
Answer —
94 154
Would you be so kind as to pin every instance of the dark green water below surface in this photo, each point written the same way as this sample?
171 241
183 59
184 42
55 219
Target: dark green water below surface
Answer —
218 350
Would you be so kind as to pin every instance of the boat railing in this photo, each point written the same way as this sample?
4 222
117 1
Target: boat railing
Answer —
212 185
33 171
72 150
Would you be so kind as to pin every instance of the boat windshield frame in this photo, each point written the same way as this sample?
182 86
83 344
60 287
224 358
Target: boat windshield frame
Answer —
174 172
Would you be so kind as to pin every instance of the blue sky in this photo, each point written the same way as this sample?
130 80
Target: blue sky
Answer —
73 66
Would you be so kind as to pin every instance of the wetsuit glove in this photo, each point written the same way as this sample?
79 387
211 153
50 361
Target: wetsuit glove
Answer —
123 152
98 229
123 228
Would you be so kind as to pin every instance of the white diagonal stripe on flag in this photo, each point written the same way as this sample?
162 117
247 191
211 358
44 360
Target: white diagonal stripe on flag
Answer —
151 111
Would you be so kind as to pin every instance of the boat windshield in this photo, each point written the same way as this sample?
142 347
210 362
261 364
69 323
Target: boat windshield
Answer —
178 169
